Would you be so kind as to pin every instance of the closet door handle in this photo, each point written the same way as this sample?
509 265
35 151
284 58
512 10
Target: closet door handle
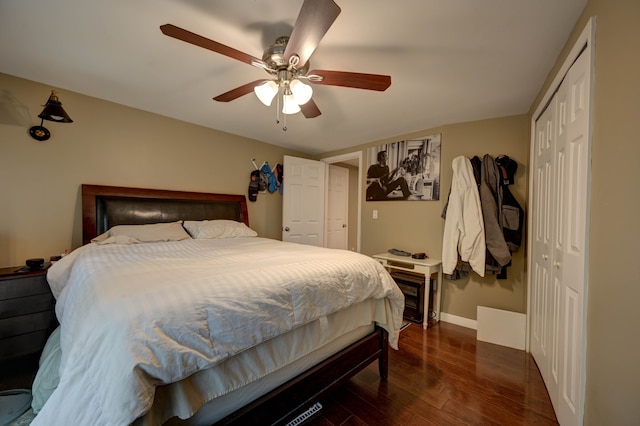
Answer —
545 257
556 264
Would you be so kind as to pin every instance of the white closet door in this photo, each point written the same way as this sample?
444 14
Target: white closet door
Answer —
543 291
561 174
570 252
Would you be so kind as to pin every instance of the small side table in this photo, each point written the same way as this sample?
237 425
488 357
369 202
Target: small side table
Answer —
426 267
27 311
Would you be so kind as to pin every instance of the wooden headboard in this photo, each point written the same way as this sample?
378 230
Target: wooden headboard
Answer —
107 206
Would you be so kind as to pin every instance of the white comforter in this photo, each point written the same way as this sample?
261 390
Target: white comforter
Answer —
137 316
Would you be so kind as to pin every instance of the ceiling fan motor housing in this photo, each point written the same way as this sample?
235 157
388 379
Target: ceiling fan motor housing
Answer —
274 57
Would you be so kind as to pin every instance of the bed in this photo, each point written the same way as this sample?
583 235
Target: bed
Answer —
160 359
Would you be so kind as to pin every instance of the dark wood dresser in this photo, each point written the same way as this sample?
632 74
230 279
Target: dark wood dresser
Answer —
27 315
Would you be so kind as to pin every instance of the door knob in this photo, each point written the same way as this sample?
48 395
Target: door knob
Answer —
286 229
556 264
344 225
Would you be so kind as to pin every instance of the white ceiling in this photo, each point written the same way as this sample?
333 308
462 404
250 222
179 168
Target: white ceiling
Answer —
450 61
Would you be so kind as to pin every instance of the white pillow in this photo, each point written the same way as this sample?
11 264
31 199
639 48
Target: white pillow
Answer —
207 229
154 232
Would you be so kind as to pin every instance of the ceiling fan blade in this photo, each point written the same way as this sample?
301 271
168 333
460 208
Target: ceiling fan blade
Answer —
352 79
310 109
197 40
313 22
238 91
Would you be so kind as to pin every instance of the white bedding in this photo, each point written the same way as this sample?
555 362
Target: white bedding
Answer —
137 316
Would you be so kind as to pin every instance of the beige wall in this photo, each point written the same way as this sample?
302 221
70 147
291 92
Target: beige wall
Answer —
417 226
108 144
613 347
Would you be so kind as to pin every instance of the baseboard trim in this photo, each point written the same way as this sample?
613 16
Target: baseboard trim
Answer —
461 321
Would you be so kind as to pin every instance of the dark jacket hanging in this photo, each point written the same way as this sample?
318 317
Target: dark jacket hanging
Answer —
491 200
512 212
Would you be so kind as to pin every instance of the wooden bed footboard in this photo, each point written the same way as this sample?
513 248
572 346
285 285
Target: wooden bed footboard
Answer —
287 401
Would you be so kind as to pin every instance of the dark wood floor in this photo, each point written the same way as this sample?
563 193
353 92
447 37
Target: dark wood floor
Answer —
444 376
441 376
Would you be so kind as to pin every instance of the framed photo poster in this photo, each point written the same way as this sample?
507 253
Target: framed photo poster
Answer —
405 170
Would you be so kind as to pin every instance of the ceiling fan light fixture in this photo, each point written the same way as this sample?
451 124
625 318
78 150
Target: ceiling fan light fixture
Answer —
289 104
266 92
301 92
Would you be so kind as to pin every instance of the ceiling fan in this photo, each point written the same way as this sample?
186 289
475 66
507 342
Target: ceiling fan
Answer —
287 63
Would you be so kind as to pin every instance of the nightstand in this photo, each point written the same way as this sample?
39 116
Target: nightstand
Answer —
27 315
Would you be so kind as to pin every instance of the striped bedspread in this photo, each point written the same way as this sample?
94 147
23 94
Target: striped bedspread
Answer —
137 316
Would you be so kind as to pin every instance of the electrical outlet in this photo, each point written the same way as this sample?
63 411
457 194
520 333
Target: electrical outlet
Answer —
375 214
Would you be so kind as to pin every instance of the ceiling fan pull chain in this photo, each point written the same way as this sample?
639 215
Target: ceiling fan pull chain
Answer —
278 107
284 103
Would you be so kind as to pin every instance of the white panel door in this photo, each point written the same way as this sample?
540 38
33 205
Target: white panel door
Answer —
570 254
337 207
303 201
560 200
543 299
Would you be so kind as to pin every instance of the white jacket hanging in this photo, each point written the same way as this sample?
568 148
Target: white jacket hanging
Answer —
463 227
